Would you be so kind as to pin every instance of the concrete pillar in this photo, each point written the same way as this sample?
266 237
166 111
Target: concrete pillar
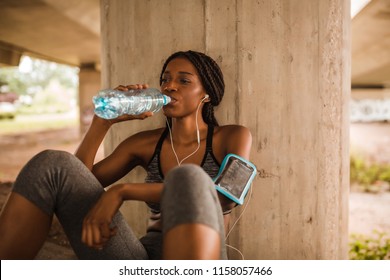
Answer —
89 84
286 66
370 93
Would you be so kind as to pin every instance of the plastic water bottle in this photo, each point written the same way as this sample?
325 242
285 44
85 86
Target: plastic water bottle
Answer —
111 103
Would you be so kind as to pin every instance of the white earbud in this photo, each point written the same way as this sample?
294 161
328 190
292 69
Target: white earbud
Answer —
205 97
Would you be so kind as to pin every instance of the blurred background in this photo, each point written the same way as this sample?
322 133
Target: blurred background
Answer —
50 69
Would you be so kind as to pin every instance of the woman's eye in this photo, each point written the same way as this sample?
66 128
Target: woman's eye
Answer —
185 81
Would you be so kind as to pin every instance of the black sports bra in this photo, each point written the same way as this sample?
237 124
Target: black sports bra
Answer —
154 174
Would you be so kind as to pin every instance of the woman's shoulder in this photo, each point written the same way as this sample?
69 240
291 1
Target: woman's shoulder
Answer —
233 130
236 139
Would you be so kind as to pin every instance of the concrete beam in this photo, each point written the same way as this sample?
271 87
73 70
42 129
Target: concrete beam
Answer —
9 55
49 31
371 45
86 12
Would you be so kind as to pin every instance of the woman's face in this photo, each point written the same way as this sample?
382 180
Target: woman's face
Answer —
181 82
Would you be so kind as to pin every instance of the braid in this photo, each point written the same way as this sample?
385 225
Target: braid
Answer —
208 114
211 77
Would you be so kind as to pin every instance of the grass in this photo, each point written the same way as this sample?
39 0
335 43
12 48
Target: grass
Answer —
29 123
375 247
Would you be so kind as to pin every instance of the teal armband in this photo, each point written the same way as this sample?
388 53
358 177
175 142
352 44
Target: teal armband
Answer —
235 177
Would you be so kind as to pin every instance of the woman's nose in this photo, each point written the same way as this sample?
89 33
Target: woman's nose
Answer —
169 87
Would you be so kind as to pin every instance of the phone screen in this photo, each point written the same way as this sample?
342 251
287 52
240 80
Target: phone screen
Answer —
235 177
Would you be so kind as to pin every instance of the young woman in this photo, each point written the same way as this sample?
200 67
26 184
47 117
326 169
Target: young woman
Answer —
187 217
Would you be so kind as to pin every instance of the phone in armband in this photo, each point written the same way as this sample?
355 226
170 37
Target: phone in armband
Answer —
235 177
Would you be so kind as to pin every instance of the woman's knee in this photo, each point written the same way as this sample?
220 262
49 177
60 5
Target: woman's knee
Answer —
43 171
53 156
189 196
49 160
187 180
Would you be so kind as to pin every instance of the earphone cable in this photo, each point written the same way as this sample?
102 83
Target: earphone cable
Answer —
239 217
238 251
197 134
242 213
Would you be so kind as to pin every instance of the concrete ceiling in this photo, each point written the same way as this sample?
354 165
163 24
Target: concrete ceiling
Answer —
69 32
371 45
62 31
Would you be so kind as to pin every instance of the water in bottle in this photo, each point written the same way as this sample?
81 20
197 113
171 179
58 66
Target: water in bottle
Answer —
110 103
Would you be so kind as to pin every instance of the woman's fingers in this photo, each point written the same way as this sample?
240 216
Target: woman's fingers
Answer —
129 87
113 231
121 87
137 86
105 232
144 115
96 236
96 229
133 117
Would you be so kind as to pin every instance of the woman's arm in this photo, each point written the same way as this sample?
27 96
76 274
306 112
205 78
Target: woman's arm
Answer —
239 142
130 153
120 162
136 150
96 226
89 146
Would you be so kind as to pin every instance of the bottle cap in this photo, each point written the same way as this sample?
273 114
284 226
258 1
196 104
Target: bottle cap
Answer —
167 99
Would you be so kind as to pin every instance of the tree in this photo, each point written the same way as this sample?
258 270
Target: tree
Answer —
35 75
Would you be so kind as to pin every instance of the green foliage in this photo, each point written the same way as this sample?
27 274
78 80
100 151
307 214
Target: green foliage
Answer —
43 87
370 177
38 76
375 247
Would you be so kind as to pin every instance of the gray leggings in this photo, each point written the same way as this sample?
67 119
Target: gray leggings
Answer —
59 183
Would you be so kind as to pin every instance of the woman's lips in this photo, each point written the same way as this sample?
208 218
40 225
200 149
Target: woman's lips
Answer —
173 100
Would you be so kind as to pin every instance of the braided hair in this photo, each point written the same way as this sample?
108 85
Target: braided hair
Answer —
211 77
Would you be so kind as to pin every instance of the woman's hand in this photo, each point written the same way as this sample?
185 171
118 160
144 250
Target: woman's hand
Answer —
97 229
129 87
